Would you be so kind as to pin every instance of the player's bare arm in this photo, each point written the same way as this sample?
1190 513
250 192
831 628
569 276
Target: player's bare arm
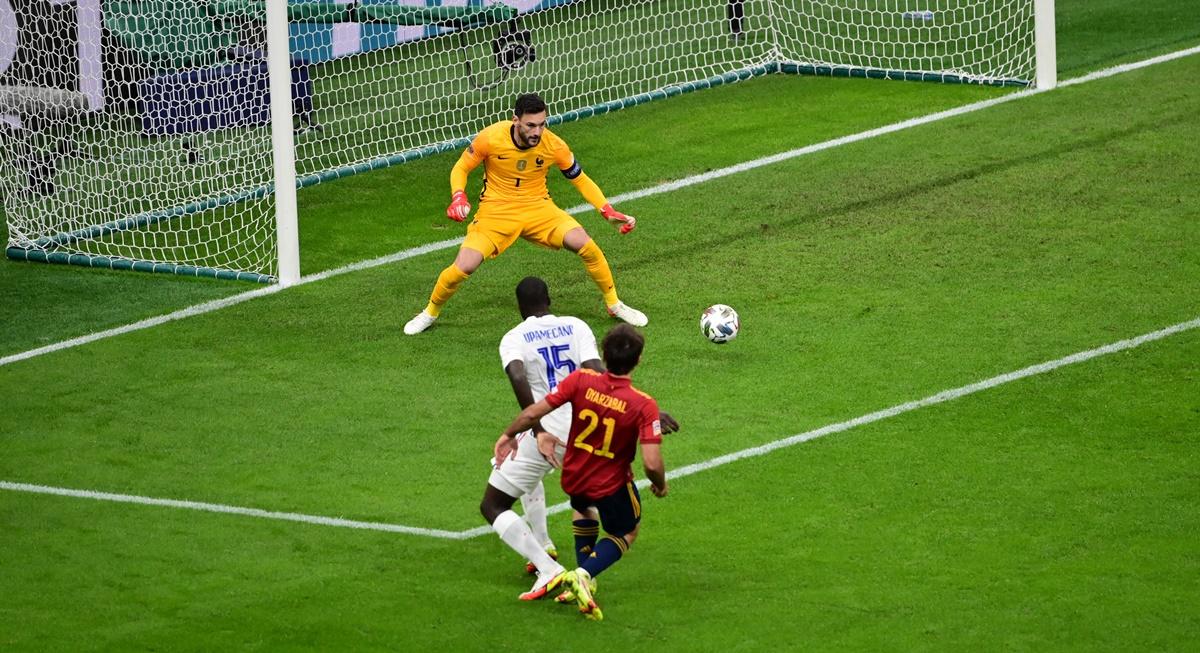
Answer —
520 386
547 444
504 449
668 423
528 417
656 471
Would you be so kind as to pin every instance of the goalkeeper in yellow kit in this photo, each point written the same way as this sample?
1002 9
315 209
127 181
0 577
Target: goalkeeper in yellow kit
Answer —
515 202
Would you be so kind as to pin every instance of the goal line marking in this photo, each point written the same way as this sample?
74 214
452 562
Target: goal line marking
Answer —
233 300
687 470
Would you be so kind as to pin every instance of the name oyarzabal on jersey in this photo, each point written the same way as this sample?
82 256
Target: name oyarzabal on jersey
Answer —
597 460
607 401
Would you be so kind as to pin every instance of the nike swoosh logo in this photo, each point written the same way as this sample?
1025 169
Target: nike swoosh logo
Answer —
501 157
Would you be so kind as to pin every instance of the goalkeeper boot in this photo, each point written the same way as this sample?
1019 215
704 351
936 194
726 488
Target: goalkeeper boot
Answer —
627 313
531 568
567 596
580 582
545 584
419 323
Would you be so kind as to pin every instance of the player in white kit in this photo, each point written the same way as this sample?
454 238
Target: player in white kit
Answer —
536 354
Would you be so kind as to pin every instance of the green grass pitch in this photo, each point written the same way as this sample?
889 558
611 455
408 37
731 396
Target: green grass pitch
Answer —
1057 512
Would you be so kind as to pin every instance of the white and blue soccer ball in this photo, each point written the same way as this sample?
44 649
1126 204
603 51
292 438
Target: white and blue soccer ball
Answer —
719 323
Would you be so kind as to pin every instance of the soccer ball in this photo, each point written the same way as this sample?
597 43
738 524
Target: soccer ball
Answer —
719 323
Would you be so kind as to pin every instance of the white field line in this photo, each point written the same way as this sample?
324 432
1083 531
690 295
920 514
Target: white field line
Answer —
687 470
231 510
208 307
899 409
889 129
232 300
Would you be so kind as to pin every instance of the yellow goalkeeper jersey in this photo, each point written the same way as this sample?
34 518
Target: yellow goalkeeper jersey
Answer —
513 174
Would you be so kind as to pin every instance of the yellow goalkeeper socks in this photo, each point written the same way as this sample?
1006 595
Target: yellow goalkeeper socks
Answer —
597 267
447 284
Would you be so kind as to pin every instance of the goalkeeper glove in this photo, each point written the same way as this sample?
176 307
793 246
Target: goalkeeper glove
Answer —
625 222
459 206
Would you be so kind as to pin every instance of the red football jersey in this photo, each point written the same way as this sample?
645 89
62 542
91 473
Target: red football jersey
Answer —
609 418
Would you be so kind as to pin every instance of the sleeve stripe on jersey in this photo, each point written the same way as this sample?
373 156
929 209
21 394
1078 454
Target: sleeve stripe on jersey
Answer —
574 171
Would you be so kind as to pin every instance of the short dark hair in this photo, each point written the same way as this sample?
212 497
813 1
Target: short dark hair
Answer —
622 347
532 294
529 103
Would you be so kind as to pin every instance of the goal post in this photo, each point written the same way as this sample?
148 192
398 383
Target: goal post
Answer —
1046 44
283 147
175 138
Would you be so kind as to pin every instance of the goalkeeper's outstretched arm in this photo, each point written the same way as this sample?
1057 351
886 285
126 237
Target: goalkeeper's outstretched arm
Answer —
588 188
459 206
462 169
594 196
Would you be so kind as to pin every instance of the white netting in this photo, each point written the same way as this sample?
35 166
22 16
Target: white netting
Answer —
131 129
440 88
137 130
984 41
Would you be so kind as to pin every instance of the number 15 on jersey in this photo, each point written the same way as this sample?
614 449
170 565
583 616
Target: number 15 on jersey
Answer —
554 361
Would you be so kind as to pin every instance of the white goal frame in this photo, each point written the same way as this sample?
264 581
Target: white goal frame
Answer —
279 188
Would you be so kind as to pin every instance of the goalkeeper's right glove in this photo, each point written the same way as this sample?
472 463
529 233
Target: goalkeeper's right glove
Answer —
459 206
625 222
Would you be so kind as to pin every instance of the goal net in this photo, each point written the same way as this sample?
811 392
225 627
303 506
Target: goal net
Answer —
136 134
971 41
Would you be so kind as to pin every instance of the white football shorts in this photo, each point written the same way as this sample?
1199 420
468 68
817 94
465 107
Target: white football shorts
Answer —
518 475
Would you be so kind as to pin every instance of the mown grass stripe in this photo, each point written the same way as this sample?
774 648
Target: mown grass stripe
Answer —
687 470
647 192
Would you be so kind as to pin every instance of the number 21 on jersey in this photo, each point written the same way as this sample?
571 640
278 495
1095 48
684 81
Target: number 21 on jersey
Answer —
593 421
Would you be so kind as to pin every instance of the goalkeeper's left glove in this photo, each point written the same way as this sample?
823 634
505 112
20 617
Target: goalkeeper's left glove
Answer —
625 222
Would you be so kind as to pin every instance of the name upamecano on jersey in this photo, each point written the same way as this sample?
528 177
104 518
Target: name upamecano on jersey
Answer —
547 334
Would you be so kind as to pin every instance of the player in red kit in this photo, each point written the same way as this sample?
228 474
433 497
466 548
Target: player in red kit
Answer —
610 419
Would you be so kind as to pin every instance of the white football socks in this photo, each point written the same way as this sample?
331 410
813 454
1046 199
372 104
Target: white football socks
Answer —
534 503
516 534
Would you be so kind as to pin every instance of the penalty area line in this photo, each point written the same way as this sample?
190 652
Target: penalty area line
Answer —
232 510
226 302
233 300
687 470
900 409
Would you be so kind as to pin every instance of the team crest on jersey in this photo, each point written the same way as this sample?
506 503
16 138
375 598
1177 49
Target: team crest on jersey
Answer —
521 165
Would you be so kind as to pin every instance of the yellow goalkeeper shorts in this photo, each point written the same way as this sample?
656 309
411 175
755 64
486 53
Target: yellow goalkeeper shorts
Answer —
498 225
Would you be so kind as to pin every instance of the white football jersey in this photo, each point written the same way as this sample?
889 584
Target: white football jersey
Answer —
551 348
